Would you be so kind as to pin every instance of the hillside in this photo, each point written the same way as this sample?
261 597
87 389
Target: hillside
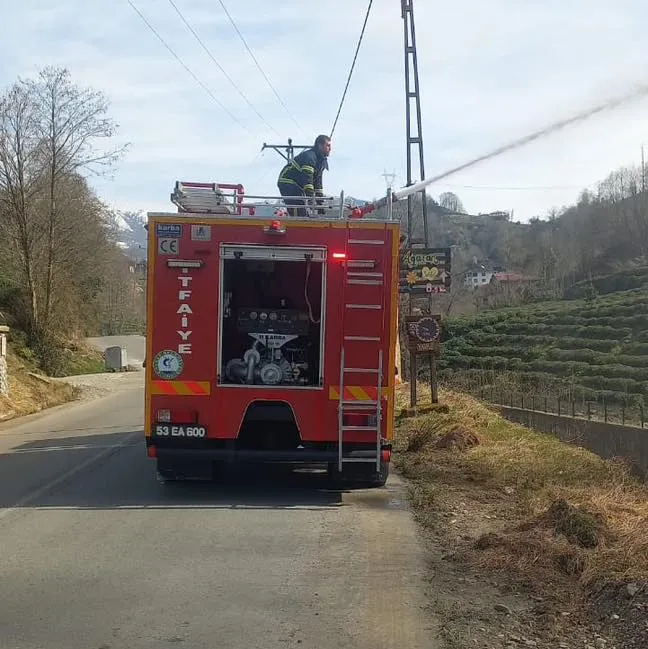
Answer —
582 350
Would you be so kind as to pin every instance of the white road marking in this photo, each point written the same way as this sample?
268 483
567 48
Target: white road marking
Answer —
76 447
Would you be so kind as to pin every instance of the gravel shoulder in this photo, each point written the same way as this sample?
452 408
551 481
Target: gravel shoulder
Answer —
94 386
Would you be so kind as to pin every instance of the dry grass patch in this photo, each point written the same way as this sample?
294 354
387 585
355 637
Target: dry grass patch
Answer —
559 513
30 392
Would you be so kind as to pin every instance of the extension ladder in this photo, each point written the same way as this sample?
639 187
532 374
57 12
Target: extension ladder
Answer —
364 322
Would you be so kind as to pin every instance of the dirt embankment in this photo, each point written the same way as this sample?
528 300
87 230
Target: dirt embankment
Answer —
30 391
82 376
533 542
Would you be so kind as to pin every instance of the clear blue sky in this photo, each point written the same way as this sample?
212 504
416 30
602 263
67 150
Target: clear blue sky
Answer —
491 70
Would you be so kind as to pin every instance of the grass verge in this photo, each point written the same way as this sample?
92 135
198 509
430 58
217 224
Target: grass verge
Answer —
555 518
82 359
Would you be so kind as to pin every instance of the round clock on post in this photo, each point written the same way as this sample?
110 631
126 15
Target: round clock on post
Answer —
427 329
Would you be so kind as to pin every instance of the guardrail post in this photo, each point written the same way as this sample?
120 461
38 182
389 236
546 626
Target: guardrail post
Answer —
4 373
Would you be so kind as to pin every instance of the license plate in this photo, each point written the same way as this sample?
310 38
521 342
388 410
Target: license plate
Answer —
188 431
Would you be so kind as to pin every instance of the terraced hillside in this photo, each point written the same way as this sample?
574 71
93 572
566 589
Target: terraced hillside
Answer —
578 350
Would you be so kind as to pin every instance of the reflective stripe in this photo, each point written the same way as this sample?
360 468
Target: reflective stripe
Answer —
308 169
184 388
309 186
354 392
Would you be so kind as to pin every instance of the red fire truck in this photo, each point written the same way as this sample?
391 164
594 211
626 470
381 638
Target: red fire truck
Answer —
270 337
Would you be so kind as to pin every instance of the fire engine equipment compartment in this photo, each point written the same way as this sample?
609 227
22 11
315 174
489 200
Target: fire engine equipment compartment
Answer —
271 316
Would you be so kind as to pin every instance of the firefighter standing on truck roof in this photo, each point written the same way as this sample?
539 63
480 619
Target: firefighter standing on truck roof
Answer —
303 175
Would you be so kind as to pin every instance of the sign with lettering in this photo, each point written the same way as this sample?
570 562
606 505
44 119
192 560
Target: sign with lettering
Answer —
424 270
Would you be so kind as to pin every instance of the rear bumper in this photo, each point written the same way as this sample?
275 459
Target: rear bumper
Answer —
298 456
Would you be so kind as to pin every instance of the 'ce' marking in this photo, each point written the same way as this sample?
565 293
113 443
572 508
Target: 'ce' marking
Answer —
168 246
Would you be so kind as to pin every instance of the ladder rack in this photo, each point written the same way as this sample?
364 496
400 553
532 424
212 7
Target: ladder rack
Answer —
230 199
207 198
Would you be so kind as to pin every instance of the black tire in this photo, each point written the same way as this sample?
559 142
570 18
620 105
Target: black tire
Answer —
359 478
166 473
335 478
381 479
174 471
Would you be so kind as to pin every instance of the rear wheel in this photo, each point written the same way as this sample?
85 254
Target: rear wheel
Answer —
358 475
168 472
180 471
380 479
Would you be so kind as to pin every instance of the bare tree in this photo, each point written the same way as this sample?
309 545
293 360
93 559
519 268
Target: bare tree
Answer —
19 186
59 245
71 122
451 202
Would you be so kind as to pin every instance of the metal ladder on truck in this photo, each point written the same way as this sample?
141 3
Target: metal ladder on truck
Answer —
363 328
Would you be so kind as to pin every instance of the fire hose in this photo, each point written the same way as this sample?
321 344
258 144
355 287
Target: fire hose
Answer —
636 92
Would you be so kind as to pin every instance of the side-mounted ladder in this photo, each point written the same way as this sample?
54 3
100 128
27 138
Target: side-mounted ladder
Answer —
364 325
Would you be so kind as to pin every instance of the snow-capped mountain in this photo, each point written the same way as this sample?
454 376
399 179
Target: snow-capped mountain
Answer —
129 233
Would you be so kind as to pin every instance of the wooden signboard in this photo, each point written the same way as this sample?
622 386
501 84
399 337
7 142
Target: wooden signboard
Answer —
424 271
423 337
423 333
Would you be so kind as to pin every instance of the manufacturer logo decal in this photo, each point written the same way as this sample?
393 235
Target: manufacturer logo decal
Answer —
168 230
201 232
168 364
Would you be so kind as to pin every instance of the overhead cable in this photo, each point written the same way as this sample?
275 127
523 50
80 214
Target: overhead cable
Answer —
187 68
219 66
352 66
265 76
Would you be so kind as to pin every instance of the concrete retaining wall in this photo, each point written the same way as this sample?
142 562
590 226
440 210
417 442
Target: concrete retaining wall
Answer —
606 440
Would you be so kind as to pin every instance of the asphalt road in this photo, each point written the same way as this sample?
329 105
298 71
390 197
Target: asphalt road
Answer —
95 553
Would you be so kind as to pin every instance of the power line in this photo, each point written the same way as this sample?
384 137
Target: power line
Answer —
265 76
352 66
187 68
220 67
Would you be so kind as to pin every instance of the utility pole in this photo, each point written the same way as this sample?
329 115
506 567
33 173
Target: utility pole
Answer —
289 149
415 142
390 179
414 138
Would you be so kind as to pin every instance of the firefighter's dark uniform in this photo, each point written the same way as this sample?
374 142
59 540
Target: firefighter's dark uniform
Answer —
302 177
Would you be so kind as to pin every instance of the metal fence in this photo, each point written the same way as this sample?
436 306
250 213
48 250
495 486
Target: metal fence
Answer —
599 410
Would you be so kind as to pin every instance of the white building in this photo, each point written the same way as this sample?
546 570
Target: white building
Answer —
478 276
